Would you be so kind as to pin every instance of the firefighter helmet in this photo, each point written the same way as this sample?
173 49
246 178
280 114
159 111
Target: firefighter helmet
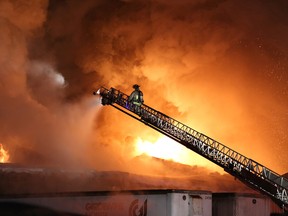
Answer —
136 86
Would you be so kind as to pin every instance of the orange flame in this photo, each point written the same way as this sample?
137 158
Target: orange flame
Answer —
166 148
163 148
4 155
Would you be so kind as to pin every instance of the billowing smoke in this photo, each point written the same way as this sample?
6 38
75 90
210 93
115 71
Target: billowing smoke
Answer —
37 125
218 66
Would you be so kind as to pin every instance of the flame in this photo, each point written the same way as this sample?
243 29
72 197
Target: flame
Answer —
164 148
168 149
4 155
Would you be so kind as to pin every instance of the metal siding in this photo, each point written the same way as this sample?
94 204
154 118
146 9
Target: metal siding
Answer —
206 202
114 205
190 204
179 204
164 203
232 204
196 206
252 206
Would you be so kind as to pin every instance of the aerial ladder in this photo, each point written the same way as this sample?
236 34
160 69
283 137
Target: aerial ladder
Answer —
248 171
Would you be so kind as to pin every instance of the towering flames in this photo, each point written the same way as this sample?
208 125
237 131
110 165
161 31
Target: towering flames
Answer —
206 63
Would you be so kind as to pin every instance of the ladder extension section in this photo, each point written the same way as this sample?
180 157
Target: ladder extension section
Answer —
245 169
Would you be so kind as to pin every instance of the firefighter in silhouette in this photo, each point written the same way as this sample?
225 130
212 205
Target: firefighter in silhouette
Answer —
136 98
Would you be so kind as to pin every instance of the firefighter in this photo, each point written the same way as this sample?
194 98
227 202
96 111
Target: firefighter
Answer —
136 98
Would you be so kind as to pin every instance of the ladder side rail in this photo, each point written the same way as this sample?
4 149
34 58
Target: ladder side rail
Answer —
182 129
257 168
246 162
211 142
197 142
207 147
242 161
223 161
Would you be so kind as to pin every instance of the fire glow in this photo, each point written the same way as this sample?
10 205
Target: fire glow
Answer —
164 148
4 155
168 149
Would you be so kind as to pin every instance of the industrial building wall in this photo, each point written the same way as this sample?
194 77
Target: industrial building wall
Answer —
201 203
110 205
254 206
142 203
232 204
221 206
193 203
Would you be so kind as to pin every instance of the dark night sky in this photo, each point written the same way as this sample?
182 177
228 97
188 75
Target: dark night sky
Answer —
218 66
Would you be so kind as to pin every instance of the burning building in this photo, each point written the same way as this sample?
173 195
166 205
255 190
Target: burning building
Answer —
218 66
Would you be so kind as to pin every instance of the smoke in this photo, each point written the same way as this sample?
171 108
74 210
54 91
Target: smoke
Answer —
38 126
217 66
206 63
